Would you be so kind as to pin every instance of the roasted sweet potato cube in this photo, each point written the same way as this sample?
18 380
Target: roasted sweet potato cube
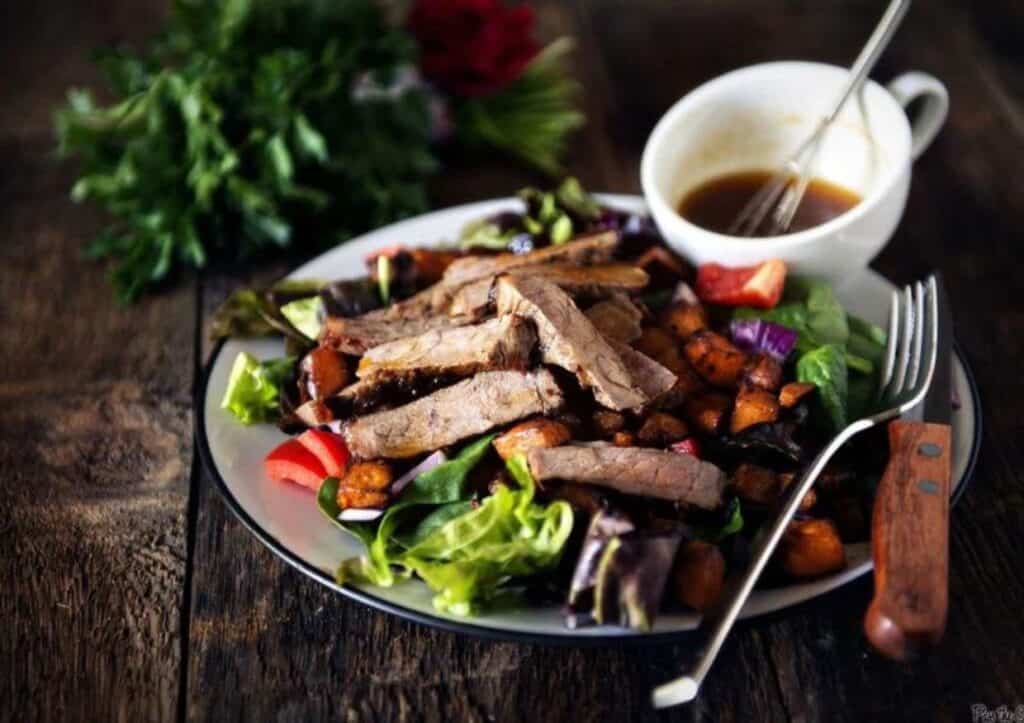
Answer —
531 434
624 439
810 499
581 497
368 476
662 429
663 266
431 263
753 406
361 499
791 394
707 411
322 373
715 358
757 484
684 320
763 372
810 548
606 423
662 347
698 574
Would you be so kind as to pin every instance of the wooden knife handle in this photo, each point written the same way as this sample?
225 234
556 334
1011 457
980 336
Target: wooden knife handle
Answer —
910 541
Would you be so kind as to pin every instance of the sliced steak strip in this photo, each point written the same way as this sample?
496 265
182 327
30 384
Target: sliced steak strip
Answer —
617 318
502 343
634 471
358 334
569 340
597 248
476 298
652 378
447 416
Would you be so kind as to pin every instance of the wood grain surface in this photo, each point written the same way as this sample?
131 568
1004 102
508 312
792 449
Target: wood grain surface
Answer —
130 592
910 541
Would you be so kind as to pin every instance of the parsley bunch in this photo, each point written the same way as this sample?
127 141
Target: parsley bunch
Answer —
249 125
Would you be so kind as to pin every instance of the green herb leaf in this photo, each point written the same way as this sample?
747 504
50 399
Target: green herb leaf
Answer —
215 145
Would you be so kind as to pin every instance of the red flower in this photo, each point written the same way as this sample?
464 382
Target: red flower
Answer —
472 47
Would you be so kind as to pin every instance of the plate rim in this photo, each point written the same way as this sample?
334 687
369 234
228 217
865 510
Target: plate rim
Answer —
482 631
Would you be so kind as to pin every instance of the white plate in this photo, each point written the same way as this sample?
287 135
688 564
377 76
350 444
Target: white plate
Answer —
285 517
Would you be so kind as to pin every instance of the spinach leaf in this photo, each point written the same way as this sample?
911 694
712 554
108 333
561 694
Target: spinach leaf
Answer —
326 502
733 524
826 318
825 367
866 329
862 396
444 482
791 315
441 485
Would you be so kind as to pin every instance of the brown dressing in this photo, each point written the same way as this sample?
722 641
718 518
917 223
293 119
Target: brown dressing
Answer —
715 204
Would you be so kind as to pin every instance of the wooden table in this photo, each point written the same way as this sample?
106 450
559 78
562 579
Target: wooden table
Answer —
129 592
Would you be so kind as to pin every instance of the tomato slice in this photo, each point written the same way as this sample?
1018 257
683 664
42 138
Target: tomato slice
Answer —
292 462
759 286
329 448
689 446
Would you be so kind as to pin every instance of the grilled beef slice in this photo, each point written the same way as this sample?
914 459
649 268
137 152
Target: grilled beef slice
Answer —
501 343
617 318
568 340
633 471
597 248
476 298
447 416
652 378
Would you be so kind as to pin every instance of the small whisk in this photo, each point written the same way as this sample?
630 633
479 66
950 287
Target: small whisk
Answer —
781 195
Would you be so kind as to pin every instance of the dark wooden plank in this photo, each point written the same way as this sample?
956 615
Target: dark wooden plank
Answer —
95 427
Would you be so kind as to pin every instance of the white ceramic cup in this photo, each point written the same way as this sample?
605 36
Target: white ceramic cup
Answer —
753 119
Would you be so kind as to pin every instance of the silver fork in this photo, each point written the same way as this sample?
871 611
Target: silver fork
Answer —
906 375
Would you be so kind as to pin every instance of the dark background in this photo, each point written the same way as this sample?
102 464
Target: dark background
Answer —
128 591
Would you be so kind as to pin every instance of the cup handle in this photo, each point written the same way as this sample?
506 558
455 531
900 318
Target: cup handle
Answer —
913 85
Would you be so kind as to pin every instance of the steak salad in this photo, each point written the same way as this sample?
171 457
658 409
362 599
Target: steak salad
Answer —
558 408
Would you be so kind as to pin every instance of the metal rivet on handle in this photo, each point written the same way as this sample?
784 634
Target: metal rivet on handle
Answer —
929 450
928 487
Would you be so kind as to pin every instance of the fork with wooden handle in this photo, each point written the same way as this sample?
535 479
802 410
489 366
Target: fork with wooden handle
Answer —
910 363
910 523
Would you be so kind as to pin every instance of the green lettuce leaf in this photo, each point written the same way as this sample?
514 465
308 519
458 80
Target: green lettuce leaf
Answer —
441 485
468 553
306 315
254 387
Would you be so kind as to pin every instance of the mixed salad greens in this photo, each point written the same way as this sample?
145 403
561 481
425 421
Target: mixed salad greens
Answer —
767 367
